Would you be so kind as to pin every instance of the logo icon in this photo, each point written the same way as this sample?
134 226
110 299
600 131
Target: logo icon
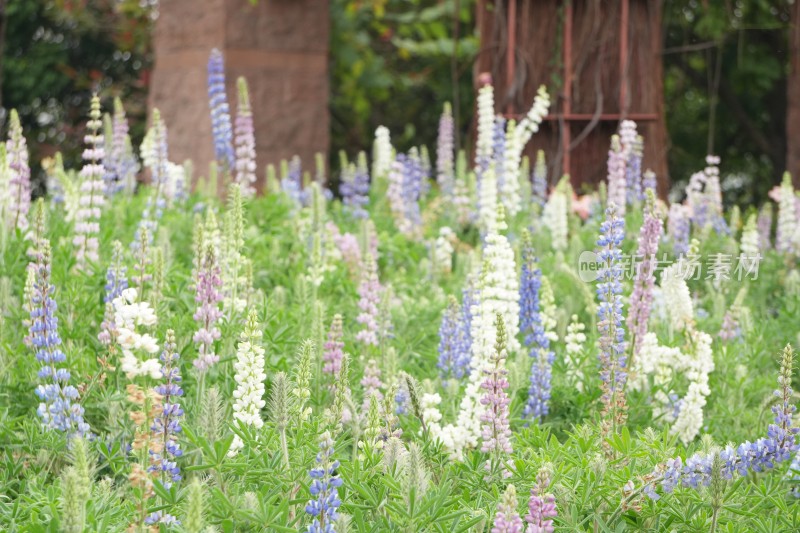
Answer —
589 266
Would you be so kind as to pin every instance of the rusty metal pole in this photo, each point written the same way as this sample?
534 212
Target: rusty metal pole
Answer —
566 137
511 54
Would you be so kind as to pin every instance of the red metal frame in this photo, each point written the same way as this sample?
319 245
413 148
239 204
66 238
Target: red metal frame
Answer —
565 116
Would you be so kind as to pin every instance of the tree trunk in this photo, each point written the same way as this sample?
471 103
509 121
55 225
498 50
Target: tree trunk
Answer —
793 97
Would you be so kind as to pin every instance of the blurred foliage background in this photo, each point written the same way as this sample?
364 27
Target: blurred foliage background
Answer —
395 62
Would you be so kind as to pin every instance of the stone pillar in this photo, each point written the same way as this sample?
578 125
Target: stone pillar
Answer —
279 46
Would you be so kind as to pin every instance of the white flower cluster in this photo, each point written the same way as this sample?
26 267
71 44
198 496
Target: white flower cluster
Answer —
442 252
498 293
663 363
487 202
750 245
175 184
627 137
394 193
248 398
530 123
575 339
617 186
554 218
429 403
548 310
382 152
128 314
483 145
677 299
509 188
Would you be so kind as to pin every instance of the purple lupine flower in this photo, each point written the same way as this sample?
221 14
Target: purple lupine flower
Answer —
372 384
679 227
122 165
166 427
541 506
245 142
764 224
324 484
59 408
87 217
369 291
292 181
451 341
220 112
539 179
413 174
333 350
642 297
160 517
401 400
631 144
445 169
507 519
616 175
778 446
535 337
495 425
499 150
116 275
354 187
208 297
609 315
730 329
19 179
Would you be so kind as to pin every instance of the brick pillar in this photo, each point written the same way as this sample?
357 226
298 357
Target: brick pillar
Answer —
279 46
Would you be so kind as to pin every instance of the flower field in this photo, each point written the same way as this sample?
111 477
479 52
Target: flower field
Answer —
419 341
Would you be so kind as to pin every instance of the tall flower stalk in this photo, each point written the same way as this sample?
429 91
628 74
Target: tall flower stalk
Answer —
324 489
249 377
19 180
245 141
208 297
496 428
220 112
87 218
59 408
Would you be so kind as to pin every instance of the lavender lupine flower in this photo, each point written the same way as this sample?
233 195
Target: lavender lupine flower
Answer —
642 297
764 224
495 425
87 218
372 384
679 227
631 144
369 291
325 482
507 519
499 150
245 142
539 187
354 187
116 275
208 297
649 183
122 166
445 166
454 342
19 180
166 427
292 181
333 350
609 317
616 175
414 173
730 329
535 338
59 408
220 112
759 456
541 506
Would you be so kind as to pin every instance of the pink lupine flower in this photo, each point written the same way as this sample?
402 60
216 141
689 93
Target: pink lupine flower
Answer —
370 292
208 298
245 143
333 350
507 519
496 429
19 181
541 506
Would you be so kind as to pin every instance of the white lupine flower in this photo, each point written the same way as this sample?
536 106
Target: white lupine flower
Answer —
530 124
443 250
483 145
431 415
487 202
382 152
498 293
554 218
510 187
128 315
750 240
617 184
548 310
677 298
249 376
575 340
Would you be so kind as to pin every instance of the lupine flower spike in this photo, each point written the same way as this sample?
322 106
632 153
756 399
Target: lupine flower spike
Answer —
87 220
250 376
507 519
19 180
324 507
220 112
245 142
541 506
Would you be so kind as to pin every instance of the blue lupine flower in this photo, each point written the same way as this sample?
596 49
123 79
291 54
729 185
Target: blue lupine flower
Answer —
160 517
535 337
325 482
116 276
401 400
499 150
166 425
354 187
413 174
633 176
763 454
609 312
539 180
454 341
292 182
59 408
221 127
